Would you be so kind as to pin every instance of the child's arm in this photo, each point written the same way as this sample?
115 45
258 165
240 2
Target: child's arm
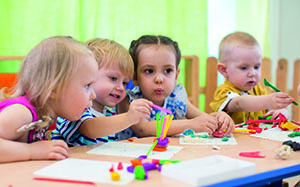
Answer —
250 103
18 151
11 119
104 126
148 128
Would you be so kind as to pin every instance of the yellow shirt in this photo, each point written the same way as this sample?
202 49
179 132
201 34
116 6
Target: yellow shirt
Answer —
227 91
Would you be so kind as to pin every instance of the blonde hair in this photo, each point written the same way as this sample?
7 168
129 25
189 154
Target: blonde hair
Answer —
236 39
109 53
47 68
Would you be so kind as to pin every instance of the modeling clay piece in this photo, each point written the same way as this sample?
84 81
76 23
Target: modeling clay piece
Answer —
140 173
136 162
204 136
120 166
161 144
161 162
162 109
142 157
115 176
130 169
294 145
252 154
112 168
131 139
224 139
276 89
188 132
252 131
149 166
216 147
283 152
288 125
293 134
218 134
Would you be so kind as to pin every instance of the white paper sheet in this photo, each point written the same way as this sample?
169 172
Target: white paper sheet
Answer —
207 141
85 170
276 134
208 170
133 150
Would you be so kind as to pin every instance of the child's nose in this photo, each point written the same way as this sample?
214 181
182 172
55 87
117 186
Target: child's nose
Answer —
251 72
121 87
92 95
158 79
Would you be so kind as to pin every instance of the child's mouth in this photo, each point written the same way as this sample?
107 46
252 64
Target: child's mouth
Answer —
251 83
116 96
158 91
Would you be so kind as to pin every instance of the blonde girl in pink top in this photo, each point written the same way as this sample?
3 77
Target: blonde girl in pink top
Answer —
56 79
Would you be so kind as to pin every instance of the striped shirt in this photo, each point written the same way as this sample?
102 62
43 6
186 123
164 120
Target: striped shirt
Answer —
68 130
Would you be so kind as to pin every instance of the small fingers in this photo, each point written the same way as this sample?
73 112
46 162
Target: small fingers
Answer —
56 156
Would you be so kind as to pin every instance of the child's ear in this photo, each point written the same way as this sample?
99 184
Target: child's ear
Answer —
222 69
177 74
53 95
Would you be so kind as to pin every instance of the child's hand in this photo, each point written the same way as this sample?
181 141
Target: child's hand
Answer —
138 109
205 123
225 122
279 100
56 150
275 113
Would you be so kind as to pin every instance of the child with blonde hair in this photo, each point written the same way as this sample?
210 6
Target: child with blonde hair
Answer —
156 60
115 71
56 79
241 96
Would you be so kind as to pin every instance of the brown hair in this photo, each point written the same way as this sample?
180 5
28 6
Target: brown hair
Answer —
136 46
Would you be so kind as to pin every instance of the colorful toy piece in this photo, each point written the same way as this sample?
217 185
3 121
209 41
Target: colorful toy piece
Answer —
161 145
276 89
218 134
293 134
252 154
112 168
294 145
283 152
252 131
288 125
120 166
188 132
162 109
115 176
161 141
140 173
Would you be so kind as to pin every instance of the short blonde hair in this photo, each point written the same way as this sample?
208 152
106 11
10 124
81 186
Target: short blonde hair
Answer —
236 39
47 68
110 53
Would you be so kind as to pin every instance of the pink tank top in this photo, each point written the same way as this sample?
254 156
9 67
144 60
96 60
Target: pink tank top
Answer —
23 100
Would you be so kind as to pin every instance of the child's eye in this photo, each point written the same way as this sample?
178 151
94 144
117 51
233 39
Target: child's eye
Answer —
87 86
256 67
113 78
243 68
148 71
125 84
169 70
